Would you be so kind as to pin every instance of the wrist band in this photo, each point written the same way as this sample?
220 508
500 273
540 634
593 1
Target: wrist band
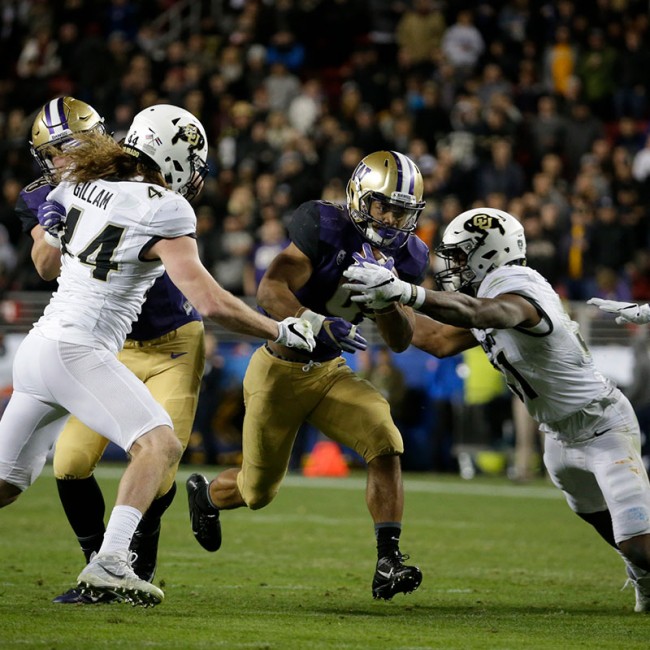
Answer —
418 295
53 241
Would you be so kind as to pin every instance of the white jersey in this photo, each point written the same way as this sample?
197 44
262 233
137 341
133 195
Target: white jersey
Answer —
103 280
548 366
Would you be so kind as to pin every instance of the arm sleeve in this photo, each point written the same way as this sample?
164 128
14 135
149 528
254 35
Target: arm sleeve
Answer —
29 199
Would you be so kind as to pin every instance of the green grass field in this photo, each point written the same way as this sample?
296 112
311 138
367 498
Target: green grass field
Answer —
505 566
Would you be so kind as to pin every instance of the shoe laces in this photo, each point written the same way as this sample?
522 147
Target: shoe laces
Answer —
395 559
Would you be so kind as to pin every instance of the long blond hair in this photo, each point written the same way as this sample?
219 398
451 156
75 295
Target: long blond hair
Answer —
100 157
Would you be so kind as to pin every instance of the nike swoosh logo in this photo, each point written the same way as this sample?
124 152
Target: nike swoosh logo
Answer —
383 574
112 573
292 328
600 433
175 355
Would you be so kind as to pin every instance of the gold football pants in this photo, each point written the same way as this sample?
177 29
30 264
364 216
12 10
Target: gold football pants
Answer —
171 367
280 395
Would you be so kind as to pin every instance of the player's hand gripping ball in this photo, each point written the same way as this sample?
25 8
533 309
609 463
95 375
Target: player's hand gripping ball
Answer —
372 256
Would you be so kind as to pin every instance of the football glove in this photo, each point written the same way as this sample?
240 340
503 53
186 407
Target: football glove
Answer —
51 216
375 284
627 312
366 257
335 332
296 333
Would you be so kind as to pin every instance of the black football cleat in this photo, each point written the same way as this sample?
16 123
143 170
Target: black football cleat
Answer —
393 577
76 597
204 518
145 546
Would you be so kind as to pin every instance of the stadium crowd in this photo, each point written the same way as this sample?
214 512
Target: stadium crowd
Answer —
540 108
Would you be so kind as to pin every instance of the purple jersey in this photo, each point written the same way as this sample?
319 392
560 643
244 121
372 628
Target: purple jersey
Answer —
165 308
325 233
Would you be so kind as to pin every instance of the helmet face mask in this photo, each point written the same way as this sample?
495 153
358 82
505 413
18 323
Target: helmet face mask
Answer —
476 242
174 141
395 183
55 127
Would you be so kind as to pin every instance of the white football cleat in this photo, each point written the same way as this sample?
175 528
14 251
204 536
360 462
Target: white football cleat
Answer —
642 590
111 573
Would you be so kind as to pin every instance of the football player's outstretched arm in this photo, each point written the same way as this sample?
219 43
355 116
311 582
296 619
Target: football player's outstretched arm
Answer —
375 283
626 312
181 260
439 339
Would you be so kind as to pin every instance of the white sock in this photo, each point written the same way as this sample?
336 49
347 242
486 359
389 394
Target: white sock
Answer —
636 571
119 531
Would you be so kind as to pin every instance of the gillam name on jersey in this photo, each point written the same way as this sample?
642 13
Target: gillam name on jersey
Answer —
86 192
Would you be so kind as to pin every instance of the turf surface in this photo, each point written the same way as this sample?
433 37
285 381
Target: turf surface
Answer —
505 567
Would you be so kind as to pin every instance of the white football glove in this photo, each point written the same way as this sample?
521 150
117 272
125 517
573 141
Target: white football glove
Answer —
296 333
376 285
628 312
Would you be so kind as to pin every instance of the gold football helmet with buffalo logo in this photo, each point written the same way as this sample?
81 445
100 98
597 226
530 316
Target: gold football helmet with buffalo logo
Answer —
175 142
394 180
56 124
474 243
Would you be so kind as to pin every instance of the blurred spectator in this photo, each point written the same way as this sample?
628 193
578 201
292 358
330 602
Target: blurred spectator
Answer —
282 87
596 68
306 107
234 247
501 173
270 241
631 93
560 60
419 35
463 45
641 162
541 251
431 120
283 48
610 240
582 129
574 254
546 128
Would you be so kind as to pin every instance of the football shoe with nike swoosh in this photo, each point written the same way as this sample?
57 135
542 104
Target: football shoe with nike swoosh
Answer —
392 577
112 573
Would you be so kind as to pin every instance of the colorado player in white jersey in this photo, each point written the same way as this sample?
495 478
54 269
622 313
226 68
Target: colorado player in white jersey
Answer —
490 298
118 237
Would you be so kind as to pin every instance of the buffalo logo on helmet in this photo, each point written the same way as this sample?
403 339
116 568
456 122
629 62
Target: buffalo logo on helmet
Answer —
190 134
481 223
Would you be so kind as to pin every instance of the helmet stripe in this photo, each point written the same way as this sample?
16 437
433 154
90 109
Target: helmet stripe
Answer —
55 118
405 173
61 108
400 176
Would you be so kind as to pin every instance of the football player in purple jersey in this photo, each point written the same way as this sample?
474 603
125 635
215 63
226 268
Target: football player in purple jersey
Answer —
283 389
164 349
